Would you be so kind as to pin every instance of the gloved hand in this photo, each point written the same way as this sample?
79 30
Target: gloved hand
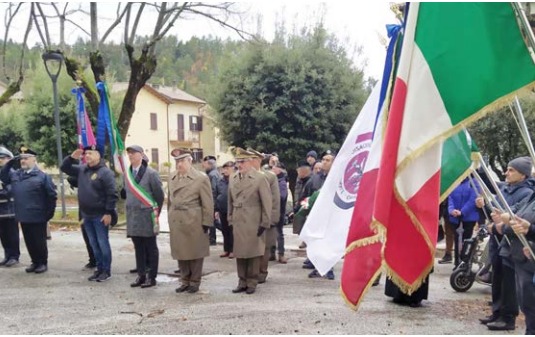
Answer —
260 231
205 229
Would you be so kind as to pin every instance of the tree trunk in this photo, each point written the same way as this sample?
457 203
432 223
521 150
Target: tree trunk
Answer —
12 89
75 71
142 69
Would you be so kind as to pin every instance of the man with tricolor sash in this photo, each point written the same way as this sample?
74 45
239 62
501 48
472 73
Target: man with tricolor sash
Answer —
141 226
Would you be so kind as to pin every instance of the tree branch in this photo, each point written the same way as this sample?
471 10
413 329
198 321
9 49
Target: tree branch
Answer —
8 26
117 21
136 22
32 14
45 23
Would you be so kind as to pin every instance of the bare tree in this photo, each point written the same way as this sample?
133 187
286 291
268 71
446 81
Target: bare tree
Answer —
141 52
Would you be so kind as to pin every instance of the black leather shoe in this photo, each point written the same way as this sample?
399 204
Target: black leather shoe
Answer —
488 319
11 262
501 325
149 283
139 282
239 290
41 269
182 288
3 262
31 268
250 290
193 289
133 271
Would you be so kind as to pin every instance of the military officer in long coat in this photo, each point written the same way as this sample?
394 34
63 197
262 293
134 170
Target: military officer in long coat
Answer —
191 211
249 214
271 233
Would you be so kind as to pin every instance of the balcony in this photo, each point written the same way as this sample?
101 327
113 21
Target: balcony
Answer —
184 138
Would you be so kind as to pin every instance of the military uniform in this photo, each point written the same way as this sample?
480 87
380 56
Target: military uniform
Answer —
35 203
9 229
249 214
191 211
271 233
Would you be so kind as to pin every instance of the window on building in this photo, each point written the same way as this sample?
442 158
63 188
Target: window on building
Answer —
153 121
197 155
155 157
195 123
180 127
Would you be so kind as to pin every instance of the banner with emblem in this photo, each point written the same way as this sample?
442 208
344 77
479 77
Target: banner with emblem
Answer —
327 225
107 126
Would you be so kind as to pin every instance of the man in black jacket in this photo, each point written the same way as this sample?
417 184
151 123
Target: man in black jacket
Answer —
96 198
221 208
210 167
9 229
35 203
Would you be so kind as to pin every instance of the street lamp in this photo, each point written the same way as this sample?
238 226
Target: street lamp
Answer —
53 61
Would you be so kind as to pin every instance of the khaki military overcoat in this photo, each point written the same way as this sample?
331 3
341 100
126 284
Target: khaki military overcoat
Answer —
249 207
273 182
191 206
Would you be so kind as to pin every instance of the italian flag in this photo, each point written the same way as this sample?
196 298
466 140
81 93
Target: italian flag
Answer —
458 62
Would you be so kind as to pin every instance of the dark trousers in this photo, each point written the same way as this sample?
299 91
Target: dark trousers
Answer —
9 236
35 239
248 271
271 239
468 230
212 235
147 256
526 297
90 253
504 300
191 272
228 237
279 240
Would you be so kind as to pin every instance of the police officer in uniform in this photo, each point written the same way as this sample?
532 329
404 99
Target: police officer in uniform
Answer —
271 233
191 214
249 214
9 229
35 203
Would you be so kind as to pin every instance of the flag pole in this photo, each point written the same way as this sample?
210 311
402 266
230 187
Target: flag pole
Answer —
516 110
521 13
505 205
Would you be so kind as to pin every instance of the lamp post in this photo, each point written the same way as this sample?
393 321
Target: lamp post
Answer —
53 61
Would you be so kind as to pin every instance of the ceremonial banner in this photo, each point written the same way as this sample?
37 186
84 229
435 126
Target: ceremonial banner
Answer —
456 64
107 125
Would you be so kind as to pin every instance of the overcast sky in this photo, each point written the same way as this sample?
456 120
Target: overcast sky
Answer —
358 24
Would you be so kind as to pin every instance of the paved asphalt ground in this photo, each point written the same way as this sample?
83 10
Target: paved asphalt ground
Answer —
62 301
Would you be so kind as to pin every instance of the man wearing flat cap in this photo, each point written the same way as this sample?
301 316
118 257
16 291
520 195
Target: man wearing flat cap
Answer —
35 203
97 199
516 190
140 226
9 229
271 232
191 214
249 214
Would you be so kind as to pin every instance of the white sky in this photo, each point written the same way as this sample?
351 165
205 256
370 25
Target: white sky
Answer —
355 24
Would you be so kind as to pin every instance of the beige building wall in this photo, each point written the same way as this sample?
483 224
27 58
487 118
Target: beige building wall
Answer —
169 133
140 132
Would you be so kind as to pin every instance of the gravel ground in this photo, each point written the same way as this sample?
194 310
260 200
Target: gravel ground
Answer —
62 301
